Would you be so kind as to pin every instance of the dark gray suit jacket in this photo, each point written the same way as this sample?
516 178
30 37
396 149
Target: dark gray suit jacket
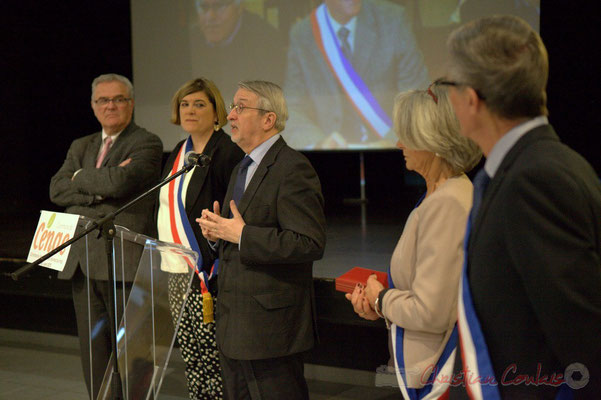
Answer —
266 302
535 266
116 185
385 54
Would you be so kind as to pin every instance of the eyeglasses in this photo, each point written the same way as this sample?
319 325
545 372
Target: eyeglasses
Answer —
118 101
431 93
239 108
217 6
444 82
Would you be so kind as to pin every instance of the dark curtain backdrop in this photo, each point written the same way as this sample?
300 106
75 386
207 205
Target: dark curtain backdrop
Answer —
51 51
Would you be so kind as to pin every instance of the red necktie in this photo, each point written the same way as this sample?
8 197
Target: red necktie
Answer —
105 149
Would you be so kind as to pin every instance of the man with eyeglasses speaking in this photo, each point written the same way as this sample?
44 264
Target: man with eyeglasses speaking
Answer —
101 173
270 231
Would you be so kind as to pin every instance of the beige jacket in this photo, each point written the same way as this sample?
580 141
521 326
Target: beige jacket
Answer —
425 268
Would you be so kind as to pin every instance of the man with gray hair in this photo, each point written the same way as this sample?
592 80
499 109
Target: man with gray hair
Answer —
530 298
101 173
271 230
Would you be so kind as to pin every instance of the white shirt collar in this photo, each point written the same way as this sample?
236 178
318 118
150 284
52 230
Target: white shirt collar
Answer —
257 156
113 137
502 147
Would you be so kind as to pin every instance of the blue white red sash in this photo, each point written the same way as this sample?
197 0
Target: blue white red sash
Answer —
181 230
351 83
437 382
478 373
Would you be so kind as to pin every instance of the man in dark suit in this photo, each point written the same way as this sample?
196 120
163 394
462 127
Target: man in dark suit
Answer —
101 173
530 316
382 51
266 315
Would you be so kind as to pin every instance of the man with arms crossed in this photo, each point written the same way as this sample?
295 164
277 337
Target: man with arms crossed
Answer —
102 172
266 252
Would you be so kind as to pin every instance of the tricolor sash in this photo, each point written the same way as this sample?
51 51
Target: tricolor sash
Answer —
478 373
351 83
437 383
181 229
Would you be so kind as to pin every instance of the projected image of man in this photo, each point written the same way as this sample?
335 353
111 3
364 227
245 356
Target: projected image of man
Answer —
346 62
222 34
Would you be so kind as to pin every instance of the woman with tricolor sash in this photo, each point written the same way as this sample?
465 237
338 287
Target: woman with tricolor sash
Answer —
199 109
420 304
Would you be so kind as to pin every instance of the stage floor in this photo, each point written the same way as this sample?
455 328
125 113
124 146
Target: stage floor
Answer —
36 366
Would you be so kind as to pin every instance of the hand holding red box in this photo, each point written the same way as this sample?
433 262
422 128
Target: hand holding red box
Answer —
346 282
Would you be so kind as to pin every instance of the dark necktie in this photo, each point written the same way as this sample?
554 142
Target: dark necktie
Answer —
241 179
344 43
481 181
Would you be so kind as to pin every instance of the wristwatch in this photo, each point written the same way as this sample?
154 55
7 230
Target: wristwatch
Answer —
377 307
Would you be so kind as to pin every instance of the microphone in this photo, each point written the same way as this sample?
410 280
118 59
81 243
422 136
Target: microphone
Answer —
199 159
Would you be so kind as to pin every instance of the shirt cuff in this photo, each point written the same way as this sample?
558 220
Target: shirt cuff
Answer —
75 173
240 239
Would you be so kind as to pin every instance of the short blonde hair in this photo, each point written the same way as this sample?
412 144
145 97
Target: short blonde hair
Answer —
199 85
424 120
271 97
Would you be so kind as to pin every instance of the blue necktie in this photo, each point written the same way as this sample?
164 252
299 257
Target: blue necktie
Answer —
481 181
241 179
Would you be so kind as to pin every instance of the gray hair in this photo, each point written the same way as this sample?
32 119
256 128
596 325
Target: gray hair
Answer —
113 78
506 61
271 97
424 120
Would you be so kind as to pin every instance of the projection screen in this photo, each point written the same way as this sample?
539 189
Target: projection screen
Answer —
339 87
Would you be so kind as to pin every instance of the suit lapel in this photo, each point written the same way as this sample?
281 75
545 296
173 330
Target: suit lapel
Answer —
254 183
199 175
89 158
259 174
544 132
120 142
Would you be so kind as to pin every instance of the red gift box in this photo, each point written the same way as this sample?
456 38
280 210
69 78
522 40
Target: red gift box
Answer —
346 283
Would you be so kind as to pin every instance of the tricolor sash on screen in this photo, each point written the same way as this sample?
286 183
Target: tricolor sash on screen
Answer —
351 83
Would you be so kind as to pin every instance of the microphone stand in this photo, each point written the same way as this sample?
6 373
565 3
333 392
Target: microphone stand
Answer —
107 230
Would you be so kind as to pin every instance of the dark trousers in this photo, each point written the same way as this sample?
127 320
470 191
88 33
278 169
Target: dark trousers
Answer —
271 378
95 337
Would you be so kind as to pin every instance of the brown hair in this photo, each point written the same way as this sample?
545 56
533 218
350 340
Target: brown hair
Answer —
199 85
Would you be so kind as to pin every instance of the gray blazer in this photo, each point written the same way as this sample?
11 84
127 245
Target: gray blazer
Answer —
115 185
385 55
266 302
